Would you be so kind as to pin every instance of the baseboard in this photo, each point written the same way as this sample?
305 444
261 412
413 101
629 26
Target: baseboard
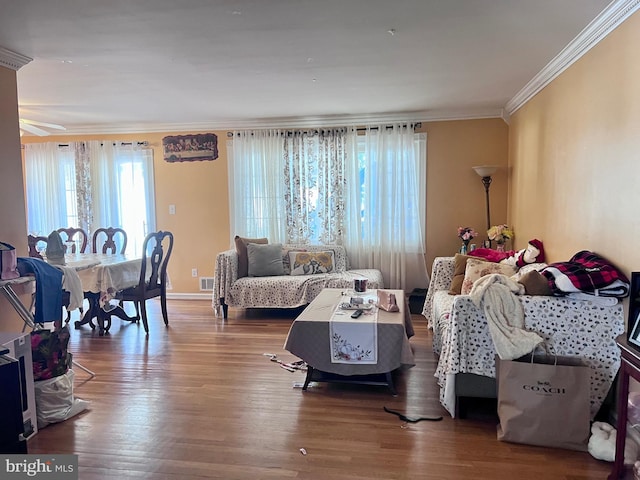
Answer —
189 296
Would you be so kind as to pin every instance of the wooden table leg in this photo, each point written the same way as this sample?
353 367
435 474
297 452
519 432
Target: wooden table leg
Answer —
91 312
390 384
308 377
621 435
103 318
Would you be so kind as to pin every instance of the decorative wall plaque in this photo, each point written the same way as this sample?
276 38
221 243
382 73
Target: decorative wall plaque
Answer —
189 148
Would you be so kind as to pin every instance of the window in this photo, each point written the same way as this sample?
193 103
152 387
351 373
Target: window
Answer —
90 185
364 191
371 180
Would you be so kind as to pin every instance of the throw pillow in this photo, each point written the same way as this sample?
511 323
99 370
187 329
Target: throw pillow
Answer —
241 249
264 259
286 263
477 269
460 265
535 283
309 263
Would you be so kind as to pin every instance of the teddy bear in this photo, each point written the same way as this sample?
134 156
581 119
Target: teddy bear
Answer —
534 253
602 444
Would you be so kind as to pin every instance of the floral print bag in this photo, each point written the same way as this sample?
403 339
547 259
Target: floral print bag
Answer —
51 357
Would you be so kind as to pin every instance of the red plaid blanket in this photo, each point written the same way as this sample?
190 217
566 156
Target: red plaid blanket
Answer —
587 272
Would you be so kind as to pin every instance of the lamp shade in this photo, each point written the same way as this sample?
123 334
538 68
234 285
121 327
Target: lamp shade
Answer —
485 170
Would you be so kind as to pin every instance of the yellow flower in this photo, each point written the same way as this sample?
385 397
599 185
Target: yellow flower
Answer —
324 259
303 258
500 233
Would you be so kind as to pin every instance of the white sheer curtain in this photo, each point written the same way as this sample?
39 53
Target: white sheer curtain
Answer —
385 207
256 190
123 190
49 176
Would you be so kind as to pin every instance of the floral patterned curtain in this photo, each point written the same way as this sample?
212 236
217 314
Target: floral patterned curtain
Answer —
314 177
83 187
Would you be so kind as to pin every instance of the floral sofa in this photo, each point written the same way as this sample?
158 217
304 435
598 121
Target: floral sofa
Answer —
461 338
285 290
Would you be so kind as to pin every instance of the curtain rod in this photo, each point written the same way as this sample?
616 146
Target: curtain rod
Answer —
388 127
359 129
144 144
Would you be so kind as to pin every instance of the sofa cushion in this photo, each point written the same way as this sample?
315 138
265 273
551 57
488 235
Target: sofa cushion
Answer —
477 269
308 263
241 249
264 259
460 265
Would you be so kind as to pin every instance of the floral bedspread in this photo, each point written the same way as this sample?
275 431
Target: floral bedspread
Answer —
579 328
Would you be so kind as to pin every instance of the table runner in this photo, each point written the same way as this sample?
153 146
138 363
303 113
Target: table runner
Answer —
353 340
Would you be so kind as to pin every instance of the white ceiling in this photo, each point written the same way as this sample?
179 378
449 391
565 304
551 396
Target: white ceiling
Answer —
162 65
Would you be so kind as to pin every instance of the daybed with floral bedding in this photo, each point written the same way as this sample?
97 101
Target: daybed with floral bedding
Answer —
283 276
570 326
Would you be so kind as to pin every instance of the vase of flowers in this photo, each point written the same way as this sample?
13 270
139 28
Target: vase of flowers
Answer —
500 234
466 234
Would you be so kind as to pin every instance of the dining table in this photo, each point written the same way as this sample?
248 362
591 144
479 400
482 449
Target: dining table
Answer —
101 280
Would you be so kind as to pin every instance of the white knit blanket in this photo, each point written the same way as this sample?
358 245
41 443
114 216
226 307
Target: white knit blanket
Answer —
496 294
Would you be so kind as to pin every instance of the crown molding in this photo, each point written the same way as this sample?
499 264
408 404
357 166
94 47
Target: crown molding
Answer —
610 18
289 122
13 60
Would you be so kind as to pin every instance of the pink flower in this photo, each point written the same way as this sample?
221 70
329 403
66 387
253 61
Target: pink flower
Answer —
466 233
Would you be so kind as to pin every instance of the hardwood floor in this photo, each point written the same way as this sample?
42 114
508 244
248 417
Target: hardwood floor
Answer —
199 400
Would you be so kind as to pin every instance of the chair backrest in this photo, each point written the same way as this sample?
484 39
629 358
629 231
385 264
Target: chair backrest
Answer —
113 238
33 242
76 235
156 251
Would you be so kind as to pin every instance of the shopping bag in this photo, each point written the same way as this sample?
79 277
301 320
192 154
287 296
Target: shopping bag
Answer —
544 401
8 262
55 401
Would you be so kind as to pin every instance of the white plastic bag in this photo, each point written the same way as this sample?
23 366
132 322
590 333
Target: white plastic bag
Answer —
54 400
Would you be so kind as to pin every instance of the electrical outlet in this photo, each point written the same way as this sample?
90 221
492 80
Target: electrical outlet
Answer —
172 209
194 272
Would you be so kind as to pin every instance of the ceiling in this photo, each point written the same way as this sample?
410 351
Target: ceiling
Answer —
171 65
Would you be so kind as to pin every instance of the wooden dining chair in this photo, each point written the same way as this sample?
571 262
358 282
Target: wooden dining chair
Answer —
113 237
33 242
76 235
156 251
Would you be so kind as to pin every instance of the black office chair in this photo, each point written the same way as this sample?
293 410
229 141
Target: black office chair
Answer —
156 251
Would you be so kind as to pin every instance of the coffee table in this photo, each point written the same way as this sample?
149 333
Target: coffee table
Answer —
309 340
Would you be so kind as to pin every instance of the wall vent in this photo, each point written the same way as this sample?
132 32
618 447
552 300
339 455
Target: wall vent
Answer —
206 284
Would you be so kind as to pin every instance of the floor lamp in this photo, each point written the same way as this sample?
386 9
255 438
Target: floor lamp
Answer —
485 172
